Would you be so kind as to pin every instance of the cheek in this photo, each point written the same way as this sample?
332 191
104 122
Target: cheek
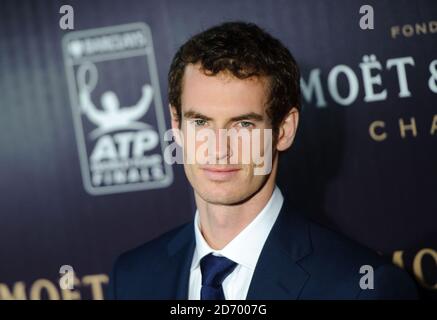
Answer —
247 175
253 146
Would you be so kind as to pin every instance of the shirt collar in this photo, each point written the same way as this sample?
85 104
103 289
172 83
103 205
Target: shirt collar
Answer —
246 247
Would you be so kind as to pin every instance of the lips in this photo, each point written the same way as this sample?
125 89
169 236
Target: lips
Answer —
220 169
220 173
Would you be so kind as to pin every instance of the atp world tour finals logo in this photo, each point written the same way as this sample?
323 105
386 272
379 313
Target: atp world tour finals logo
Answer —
117 108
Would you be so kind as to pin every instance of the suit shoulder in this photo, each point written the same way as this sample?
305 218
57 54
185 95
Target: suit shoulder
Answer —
151 250
334 244
337 264
135 272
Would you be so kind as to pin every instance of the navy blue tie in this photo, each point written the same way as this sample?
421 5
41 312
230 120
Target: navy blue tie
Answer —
214 271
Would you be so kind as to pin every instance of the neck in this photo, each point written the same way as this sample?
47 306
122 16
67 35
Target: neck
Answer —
222 223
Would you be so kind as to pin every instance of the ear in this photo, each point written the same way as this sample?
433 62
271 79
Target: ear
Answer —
175 125
287 130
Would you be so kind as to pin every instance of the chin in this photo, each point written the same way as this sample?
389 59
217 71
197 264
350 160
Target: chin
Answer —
225 193
221 195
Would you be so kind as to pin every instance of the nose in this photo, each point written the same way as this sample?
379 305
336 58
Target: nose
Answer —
222 145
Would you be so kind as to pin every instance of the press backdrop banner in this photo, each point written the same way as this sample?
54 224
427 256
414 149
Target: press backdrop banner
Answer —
83 114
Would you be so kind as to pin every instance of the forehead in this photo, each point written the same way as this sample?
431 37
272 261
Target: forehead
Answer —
222 94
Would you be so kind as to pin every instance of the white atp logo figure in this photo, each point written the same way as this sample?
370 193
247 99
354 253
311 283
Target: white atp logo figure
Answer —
112 117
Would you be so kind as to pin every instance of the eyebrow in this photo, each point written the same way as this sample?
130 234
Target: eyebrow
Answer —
193 114
247 116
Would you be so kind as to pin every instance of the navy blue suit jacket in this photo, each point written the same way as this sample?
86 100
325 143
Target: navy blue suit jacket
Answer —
300 260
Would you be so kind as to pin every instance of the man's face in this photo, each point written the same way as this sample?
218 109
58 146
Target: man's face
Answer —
223 102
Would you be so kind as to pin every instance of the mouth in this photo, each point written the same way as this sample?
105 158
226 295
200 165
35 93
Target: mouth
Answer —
220 173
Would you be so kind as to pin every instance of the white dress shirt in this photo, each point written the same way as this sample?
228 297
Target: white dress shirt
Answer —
244 249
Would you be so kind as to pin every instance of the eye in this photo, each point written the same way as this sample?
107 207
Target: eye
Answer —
246 124
199 122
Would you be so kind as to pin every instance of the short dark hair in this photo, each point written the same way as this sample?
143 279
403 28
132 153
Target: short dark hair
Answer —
244 50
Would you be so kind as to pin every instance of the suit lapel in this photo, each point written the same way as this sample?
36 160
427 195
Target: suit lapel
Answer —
181 250
278 274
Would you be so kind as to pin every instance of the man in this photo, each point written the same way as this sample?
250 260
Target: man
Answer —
245 242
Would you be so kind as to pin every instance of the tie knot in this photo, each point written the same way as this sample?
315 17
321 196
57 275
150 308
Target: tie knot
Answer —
215 269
